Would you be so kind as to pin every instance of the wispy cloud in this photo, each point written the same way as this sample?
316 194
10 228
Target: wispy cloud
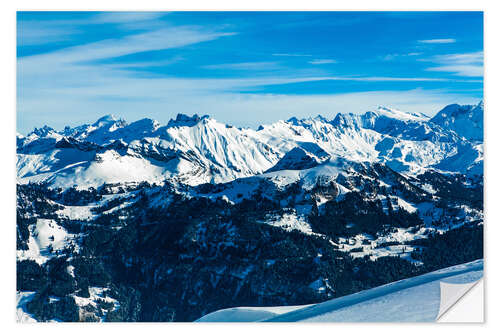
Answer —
461 58
126 17
70 79
393 56
43 32
438 41
230 107
322 61
45 79
143 64
162 39
462 70
390 79
463 64
84 81
38 32
131 20
245 66
291 55
90 90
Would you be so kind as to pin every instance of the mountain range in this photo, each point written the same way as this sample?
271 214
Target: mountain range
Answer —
151 222
197 150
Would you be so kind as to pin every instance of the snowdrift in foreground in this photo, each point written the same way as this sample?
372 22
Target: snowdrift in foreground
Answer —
411 300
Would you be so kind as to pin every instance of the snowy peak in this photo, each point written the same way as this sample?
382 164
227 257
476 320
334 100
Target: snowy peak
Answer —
98 132
137 130
307 155
110 128
307 121
320 118
346 120
295 121
465 120
105 120
381 120
400 115
144 125
107 123
452 111
42 131
185 120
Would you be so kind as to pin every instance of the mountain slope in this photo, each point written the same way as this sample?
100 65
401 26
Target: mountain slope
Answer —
465 120
174 253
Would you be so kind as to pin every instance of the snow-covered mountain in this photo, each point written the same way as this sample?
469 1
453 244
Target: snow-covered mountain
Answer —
196 150
151 222
465 120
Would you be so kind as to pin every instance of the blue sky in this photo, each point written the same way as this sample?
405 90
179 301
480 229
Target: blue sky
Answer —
243 68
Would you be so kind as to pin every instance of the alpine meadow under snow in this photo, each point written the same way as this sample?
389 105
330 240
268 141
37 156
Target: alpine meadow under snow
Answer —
152 222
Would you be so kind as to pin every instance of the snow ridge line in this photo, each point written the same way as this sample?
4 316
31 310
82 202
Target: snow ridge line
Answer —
366 295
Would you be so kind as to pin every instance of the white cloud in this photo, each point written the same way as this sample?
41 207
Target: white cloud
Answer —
245 66
126 17
393 56
131 20
389 57
463 64
74 107
143 64
322 61
56 91
38 32
62 88
67 87
43 32
461 58
461 70
438 41
44 79
166 38
387 79
291 55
